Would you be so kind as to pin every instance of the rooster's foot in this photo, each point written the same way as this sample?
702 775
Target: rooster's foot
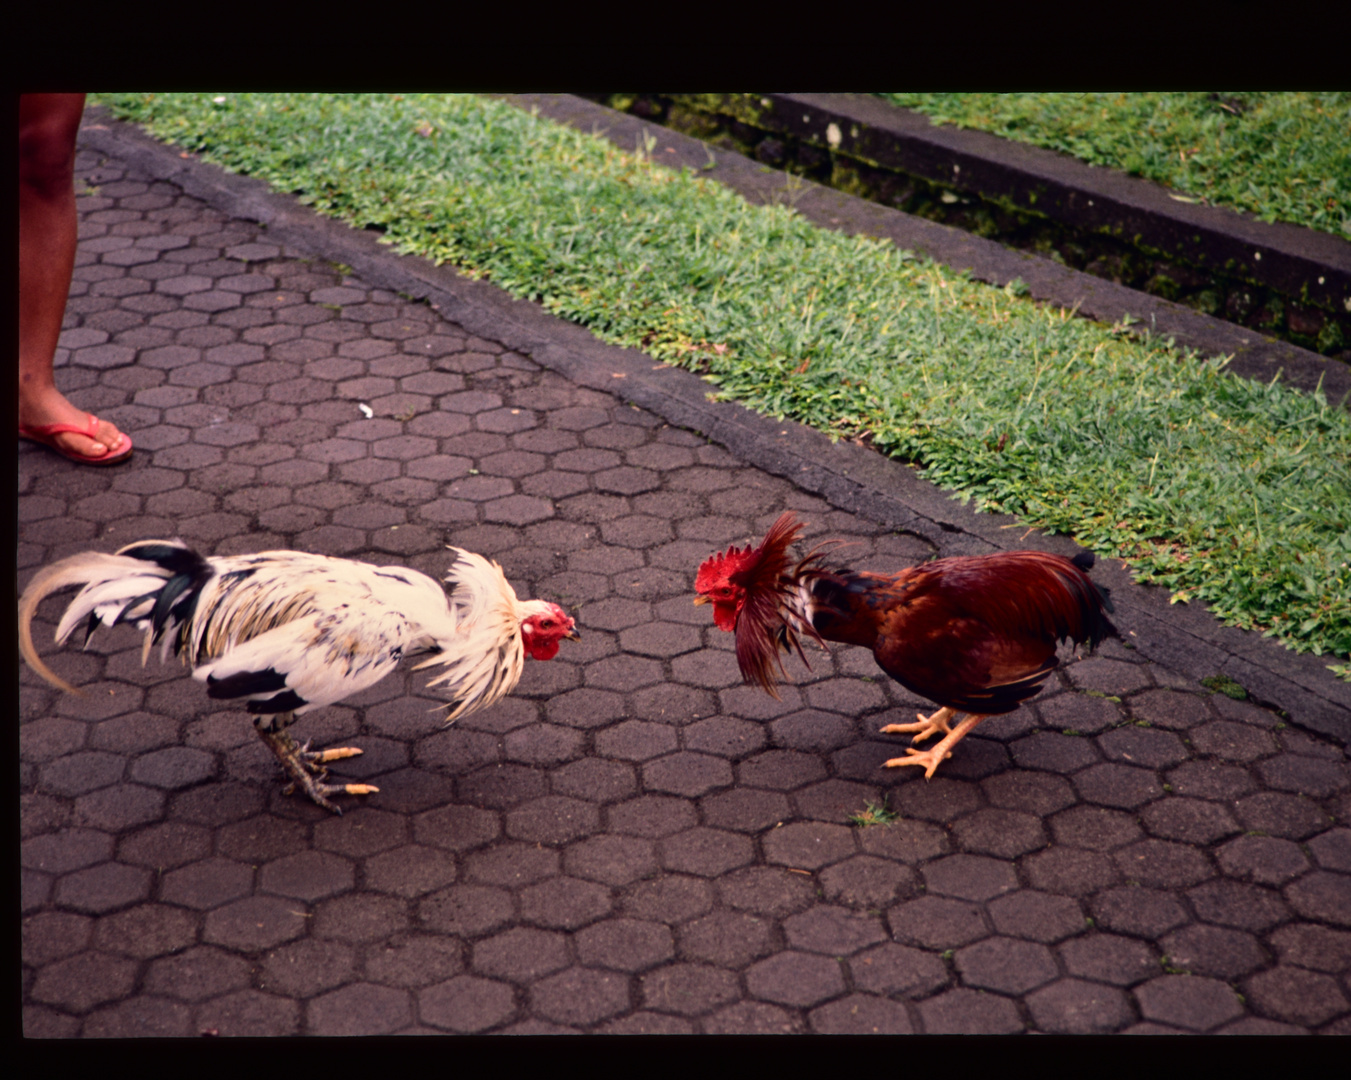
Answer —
931 758
928 758
934 724
307 770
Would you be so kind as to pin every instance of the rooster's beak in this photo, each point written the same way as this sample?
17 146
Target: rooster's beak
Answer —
572 635
702 600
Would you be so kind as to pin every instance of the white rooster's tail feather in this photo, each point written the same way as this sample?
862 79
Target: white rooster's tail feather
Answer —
152 584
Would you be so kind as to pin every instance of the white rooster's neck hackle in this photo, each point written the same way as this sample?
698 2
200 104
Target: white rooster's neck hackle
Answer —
484 657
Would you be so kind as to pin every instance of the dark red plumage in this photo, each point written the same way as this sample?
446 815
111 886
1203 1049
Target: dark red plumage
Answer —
976 634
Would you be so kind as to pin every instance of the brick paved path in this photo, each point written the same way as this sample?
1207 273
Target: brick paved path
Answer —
634 842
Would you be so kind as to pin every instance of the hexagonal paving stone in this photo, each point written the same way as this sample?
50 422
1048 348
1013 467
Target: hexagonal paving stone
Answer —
1213 950
1297 995
706 852
833 931
1134 910
466 1004
580 996
84 981
360 1009
520 955
970 877
969 1012
1036 916
553 819
1074 1007
254 923
795 979
197 974
1243 906
614 860
308 875
937 922
207 884
625 945
1274 813
1192 820
1107 958
1006 965
1190 1002
686 773
1002 833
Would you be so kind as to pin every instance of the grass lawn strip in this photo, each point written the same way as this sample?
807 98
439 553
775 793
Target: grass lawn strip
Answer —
1280 156
1224 490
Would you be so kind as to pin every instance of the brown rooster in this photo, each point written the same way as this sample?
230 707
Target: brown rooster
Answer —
287 631
976 634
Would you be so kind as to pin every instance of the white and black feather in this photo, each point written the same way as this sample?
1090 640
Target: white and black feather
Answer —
288 631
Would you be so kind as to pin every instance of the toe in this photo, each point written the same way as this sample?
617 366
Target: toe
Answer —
109 436
107 440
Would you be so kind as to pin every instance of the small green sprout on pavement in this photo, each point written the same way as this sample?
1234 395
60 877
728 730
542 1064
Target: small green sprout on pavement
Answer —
874 814
1222 684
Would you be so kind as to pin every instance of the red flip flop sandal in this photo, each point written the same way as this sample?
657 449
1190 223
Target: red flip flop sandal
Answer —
46 435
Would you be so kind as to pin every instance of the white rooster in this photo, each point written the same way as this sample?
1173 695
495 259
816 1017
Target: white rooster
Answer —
289 632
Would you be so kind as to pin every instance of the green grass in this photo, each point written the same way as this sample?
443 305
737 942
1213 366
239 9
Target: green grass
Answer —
1221 489
874 814
1280 156
1222 684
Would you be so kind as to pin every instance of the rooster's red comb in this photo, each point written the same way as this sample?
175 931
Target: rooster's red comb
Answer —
758 566
720 566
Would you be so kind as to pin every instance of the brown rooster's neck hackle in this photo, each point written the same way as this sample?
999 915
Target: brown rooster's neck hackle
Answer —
765 623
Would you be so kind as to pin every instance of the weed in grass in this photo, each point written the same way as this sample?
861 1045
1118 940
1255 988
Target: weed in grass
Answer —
1229 492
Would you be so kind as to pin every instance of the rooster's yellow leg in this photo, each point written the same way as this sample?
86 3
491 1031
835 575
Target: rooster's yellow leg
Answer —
929 725
930 758
305 766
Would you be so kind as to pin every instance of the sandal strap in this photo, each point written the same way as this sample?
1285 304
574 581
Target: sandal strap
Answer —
89 430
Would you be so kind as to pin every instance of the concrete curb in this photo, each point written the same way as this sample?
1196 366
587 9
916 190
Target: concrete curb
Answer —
1185 639
1286 257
